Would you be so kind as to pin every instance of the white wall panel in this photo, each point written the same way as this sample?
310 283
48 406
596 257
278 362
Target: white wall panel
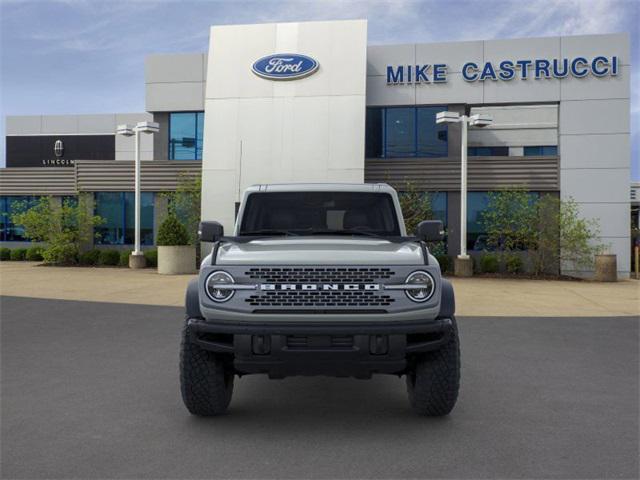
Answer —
521 49
264 131
97 123
58 124
520 91
455 90
600 185
381 94
595 151
174 97
453 54
591 87
516 137
379 56
23 125
594 117
174 68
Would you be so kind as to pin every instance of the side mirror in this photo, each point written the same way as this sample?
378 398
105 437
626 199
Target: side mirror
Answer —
430 231
210 231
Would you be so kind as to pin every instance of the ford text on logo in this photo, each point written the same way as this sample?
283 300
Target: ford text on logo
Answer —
316 287
285 66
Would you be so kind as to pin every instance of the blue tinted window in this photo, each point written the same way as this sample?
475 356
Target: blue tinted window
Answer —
541 151
185 135
400 132
488 151
439 206
117 209
477 203
405 132
10 232
432 137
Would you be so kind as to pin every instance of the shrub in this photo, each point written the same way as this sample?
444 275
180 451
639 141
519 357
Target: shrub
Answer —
90 257
489 263
152 258
61 254
109 257
185 204
63 227
445 262
124 258
172 232
513 263
34 254
18 254
5 254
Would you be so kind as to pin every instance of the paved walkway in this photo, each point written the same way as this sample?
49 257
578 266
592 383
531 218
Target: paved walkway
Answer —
474 296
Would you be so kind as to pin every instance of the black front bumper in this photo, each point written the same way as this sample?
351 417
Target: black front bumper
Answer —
339 349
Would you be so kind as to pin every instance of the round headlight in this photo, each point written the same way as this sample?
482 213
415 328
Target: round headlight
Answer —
425 286
213 283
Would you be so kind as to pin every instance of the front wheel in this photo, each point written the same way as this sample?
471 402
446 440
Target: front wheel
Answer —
434 381
205 383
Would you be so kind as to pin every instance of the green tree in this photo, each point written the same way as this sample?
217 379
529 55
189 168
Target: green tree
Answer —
510 219
184 203
415 205
63 227
564 237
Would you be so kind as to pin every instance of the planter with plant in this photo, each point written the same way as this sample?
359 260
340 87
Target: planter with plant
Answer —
175 253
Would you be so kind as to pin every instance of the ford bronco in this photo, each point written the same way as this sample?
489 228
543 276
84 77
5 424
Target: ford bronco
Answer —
320 279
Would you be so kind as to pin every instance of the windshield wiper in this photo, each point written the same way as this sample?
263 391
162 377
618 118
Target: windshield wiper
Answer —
267 231
347 232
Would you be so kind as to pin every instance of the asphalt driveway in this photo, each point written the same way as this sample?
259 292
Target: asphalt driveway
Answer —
90 390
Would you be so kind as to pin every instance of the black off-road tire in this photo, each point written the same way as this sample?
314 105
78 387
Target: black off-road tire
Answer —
434 381
206 385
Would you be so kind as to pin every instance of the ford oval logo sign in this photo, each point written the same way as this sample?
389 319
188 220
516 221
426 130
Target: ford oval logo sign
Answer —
285 66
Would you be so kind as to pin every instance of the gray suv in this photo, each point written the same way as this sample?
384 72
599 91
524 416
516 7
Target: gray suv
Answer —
320 279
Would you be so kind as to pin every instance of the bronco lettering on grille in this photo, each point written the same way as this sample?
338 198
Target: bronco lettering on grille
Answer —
321 286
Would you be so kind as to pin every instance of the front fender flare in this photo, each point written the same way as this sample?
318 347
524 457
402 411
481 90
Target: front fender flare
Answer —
447 301
192 300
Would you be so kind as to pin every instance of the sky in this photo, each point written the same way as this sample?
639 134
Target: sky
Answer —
87 56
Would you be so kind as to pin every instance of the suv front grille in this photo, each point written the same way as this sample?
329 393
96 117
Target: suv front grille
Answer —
335 298
319 274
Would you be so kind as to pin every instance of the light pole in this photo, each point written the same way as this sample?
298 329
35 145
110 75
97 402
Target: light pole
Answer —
136 259
463 264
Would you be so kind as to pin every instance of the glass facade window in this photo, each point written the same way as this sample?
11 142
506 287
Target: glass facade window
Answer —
439 206
117 209
393 132
185 135
10 232
488 151
541 151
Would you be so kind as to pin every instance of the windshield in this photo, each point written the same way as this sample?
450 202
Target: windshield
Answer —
317 213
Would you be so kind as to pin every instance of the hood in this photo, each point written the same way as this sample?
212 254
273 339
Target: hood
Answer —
320 251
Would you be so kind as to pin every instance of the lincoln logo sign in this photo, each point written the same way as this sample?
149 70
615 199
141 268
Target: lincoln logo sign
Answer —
324 286
58 148
505 70
285 66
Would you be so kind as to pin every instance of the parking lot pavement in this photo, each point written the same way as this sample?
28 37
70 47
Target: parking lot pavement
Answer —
90 390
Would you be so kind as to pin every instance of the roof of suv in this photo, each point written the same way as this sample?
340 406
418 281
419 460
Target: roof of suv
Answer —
321 187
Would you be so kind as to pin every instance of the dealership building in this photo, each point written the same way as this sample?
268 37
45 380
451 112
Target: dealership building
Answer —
312 102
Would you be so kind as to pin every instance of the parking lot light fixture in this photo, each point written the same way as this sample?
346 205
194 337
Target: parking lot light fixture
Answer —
136 259
477 120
